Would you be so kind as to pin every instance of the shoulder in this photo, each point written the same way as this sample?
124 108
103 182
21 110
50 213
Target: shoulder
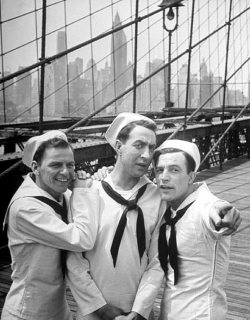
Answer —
27 204
152 190
204 194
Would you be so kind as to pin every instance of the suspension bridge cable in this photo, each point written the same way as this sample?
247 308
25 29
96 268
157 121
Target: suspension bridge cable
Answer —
189 63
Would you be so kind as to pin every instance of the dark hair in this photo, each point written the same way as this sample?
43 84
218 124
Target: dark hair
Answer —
189 160
51 143
123 135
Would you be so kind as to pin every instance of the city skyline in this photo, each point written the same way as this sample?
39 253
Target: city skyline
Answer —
91 78
57 103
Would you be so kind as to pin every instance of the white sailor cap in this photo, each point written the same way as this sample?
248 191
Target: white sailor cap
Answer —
186 146
33 143
120 122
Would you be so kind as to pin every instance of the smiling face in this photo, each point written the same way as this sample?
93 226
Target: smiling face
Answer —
135 154
55 171
173 179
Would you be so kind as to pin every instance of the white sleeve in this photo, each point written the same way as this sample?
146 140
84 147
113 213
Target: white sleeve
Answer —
151 280
37 222
85 292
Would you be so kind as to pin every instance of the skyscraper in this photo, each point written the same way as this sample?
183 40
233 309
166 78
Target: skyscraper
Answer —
24 92
119 59
60 77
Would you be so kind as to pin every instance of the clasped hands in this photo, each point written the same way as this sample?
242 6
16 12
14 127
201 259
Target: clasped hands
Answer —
109 312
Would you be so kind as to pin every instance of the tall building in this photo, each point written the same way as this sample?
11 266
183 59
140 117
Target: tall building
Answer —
7 100
107 88
24 93
119 59
76 88
180 88
218 97
154 89
60 77
93 86
49 89
206 85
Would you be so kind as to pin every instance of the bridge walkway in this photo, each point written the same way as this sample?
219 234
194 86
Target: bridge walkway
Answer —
232 184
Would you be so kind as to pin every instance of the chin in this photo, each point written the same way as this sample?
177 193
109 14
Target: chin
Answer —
62 190
164 196
139 174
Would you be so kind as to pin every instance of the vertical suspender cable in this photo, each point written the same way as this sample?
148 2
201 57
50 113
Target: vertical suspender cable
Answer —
165 79
135 55
149 60
225 80
37 49
234 61
241 44
113 57
43 46
2 61
189 64
67 60
92 57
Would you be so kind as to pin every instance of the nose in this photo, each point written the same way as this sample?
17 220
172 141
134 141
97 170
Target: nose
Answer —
165 176
64 170
147 154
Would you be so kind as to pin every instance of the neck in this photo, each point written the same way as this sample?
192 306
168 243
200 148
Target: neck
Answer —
57 196
175 204
123 180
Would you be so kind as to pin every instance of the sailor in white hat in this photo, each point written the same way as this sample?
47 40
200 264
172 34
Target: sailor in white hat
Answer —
193 252
33 144
121 121
123 262
39 233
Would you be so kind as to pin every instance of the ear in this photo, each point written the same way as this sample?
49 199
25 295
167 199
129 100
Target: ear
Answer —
35 168
118 146
192 176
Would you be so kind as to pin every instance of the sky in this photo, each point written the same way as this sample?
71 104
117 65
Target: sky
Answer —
21 25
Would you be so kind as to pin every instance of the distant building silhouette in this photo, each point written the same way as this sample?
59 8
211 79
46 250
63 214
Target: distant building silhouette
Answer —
60 77
180 88
7 100
24 93
206 86
119 59
154 89
49 89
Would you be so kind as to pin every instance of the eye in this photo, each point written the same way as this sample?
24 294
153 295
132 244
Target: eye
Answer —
159 170
138 145
55 165
152 148
71 165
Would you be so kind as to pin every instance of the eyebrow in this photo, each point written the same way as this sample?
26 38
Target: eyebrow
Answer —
144 142
171 166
